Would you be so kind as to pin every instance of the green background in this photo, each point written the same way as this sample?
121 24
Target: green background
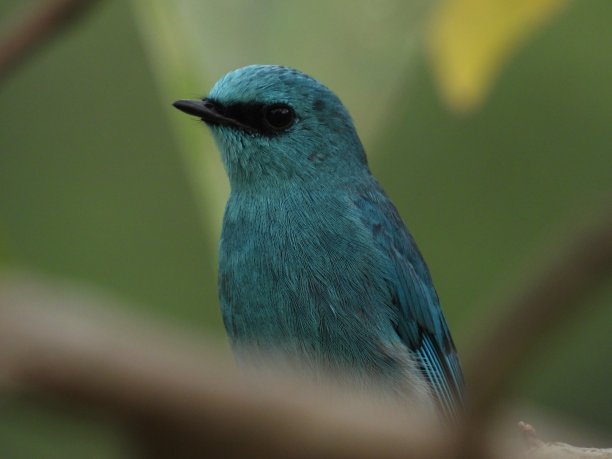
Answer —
94 186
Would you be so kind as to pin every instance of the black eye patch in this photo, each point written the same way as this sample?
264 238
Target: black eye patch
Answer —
265 119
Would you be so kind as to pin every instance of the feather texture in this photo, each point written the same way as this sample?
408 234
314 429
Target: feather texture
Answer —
421 324
315 262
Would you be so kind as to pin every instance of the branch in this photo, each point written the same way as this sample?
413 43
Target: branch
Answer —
541 450
551 298
181 400
40 26
178 400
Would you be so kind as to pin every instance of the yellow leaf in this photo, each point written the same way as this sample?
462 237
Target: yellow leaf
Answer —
470 40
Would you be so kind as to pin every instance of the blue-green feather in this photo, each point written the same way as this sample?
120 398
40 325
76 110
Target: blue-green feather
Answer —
421 324
315 262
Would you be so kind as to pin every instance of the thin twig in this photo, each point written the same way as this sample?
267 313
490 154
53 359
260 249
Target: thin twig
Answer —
38 27
538 449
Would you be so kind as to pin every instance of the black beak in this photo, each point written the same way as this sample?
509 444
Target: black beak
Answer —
208 111
204 109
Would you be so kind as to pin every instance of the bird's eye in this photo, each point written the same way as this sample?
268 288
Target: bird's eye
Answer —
279 116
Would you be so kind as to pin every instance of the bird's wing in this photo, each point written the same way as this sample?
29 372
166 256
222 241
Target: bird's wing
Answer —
421 324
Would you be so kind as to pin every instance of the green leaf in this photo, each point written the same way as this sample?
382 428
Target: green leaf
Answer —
179 74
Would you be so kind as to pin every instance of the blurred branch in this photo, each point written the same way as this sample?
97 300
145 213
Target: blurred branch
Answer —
178 398
551 297
24 37
180 401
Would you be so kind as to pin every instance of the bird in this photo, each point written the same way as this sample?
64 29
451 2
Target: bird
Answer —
315 262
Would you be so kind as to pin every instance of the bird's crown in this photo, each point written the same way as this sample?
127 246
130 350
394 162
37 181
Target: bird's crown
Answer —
273 122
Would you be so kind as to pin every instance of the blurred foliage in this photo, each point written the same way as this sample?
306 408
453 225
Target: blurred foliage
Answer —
178 70
470 40
102 181
92 187
215 37
3 247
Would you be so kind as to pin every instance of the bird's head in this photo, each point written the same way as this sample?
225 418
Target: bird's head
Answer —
274 124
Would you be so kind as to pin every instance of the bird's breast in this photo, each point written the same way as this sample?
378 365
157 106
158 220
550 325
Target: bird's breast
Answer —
300 274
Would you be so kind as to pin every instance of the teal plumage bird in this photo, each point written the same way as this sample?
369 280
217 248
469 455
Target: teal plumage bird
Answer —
315 262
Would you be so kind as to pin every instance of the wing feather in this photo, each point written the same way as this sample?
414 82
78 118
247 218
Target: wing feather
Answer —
421 324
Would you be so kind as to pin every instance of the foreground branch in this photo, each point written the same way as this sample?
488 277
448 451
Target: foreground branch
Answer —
542 450
180 401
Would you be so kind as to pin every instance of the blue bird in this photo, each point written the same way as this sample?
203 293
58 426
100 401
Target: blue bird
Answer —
315 262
